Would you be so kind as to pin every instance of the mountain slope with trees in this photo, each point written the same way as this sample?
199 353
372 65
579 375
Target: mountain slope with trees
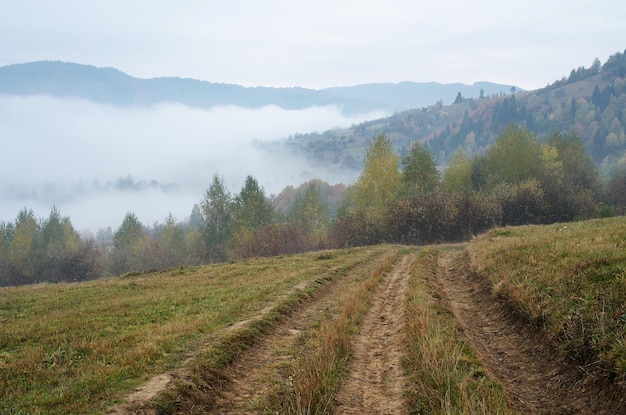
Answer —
590 102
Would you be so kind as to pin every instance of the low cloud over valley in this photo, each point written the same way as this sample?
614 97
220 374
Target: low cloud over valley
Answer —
96 162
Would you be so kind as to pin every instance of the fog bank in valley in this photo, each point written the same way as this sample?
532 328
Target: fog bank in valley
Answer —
96 162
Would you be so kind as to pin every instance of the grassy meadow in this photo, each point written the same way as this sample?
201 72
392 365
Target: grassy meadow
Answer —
80 348
569 278
77 348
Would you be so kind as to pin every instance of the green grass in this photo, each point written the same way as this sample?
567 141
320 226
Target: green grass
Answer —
78 348
567 278
445 372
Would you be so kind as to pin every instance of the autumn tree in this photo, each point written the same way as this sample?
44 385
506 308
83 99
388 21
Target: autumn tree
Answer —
457 176
252 210
419 170
570 179
360 215
50 250
173 243
20 255
617 192
57 249
310 214
380 179
7 232
513 158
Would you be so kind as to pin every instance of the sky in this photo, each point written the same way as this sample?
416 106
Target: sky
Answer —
319 44
63 152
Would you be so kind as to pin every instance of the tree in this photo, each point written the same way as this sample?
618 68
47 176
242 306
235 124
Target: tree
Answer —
419 171
457 176
309 214
459 98
513 158
196 220
57 247
380 179
7 233
217 208
252 210
20 254
173 244
126 240
570 179
617 192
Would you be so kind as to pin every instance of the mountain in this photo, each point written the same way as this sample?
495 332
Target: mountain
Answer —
591 102
407 95
111 86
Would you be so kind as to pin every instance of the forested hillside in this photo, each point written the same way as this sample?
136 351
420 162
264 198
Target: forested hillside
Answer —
591 102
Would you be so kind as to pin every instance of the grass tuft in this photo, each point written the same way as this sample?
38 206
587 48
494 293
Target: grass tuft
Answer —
447 375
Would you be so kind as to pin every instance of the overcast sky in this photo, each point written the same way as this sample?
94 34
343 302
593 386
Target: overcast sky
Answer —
319 43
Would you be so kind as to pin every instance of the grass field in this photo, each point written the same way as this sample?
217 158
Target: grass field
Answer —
76 348
80 348
568 278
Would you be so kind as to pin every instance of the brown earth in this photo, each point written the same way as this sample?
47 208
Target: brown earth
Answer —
375 384
536 377
376 381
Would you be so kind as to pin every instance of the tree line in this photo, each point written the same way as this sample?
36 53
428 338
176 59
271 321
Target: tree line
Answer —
396 199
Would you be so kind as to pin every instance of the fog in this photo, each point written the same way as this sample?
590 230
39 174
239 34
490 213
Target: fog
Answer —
96 162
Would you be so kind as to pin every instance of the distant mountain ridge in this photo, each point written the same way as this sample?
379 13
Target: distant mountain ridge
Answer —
413 95
111 86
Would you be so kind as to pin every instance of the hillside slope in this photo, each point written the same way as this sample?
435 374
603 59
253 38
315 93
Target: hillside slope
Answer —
111 86
529 319
590 102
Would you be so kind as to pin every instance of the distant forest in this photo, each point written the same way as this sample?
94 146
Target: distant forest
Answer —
590 102
397 199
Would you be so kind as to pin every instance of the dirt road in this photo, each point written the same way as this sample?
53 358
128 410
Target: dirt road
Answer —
535 376
376 382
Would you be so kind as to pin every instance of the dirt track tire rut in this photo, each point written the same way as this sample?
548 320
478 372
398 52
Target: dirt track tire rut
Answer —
536 378
376 381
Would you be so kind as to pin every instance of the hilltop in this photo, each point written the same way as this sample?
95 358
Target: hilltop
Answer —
112 86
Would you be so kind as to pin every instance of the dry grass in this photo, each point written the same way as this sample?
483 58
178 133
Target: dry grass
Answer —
318 371
448 377
567 278
77 348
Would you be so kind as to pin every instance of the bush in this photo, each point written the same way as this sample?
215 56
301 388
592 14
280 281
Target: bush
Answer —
521 203
439 217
